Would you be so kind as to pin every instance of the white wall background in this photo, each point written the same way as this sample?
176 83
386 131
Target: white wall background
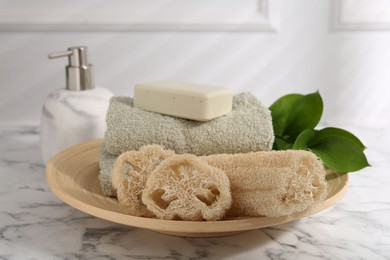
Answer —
268 47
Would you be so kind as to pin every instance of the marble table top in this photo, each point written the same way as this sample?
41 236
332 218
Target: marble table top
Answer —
34 224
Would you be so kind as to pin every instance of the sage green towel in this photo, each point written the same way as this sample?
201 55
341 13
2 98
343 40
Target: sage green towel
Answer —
106 164
247 128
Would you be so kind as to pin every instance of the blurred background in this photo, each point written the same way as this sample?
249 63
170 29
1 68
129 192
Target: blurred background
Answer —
268 47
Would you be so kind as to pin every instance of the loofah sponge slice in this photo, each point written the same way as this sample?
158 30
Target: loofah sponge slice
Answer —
129 175
273 183
187 188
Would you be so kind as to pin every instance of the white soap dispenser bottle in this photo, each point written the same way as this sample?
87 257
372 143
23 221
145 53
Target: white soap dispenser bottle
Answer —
77 113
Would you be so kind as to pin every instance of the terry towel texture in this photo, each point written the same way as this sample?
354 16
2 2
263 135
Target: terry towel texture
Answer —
247 128
106 164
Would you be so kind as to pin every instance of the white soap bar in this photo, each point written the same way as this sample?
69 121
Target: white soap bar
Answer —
185 100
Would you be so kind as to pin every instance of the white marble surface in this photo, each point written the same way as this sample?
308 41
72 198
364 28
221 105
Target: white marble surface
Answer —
34 224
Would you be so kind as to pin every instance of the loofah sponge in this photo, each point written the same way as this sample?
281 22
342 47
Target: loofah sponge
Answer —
273 183
187 188
130 173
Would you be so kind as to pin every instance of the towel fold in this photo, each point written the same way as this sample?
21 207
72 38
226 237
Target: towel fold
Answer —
106 164
247 128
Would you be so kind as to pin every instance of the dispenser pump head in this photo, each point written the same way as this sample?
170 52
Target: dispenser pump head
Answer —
79 75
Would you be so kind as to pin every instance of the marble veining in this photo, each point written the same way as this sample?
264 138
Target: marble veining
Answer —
34 224
72 117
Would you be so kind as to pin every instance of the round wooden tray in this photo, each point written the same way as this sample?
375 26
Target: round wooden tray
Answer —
72 176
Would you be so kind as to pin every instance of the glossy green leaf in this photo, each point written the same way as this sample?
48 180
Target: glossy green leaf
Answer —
340 154
280 144
280 111
294 119
305 114
333 131
303 139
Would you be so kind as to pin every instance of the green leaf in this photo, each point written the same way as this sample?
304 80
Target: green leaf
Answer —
280 111
293 113
333 131
303 139
340 154
305 114
280 144
294 119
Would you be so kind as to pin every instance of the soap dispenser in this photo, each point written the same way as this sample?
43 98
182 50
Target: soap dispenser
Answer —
74 114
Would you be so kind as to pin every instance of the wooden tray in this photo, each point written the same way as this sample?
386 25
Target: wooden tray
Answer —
72 176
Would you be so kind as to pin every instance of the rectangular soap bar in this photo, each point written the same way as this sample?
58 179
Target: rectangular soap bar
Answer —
185 100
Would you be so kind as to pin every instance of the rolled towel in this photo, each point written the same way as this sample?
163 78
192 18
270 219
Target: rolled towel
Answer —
247 128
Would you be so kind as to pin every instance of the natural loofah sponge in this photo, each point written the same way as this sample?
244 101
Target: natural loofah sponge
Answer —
187 188
273 183
129 175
